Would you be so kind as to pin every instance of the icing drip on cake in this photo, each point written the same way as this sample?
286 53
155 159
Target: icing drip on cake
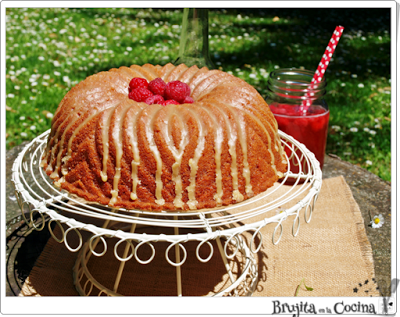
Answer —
218 139
132 135
104 126
148 121
193 162
176 152
232 134
117 134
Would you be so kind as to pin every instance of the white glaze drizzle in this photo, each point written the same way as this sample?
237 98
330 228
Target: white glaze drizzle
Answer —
273 126
218 139
232 135
193 162
149 129
243 142
70 119
240 105
55 145
64 169
250 110
105 125
116 134
132 134
95 111
177 153
71 122
59 182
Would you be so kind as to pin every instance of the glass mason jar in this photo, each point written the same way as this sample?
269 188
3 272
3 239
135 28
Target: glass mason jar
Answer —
193 45
300 109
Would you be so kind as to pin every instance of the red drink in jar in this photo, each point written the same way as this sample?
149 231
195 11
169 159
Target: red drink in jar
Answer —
308 126
300 110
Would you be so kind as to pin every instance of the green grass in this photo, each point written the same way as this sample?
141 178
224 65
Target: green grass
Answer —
50 50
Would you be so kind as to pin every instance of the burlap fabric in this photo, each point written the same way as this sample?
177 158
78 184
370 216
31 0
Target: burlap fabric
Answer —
331 254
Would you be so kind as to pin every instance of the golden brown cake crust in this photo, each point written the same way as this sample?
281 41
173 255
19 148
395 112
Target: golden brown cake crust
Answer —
220 150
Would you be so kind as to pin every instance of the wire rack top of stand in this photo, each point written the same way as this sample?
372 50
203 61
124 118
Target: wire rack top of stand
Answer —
36 193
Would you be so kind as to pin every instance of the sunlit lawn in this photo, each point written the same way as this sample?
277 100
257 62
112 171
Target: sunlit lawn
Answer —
50 50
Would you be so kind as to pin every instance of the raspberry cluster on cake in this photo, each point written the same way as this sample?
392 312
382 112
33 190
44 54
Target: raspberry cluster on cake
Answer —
154 92
164 138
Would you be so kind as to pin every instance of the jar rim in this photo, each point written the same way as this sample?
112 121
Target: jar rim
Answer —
296 71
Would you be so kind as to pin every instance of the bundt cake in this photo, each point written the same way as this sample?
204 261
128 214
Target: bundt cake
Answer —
218 150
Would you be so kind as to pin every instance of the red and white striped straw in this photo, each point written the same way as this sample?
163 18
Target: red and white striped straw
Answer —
323 64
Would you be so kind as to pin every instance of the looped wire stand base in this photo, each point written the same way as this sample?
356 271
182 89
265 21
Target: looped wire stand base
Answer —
129 234
242 280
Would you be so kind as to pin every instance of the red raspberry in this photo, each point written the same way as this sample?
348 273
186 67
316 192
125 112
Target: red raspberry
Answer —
177 90
137 82
170 102
188 99
157 86
140 94
155 99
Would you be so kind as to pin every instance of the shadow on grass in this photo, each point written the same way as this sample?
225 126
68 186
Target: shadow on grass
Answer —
308 29
153 15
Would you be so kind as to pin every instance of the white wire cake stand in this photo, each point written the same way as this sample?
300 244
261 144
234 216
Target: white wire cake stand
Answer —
224 226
